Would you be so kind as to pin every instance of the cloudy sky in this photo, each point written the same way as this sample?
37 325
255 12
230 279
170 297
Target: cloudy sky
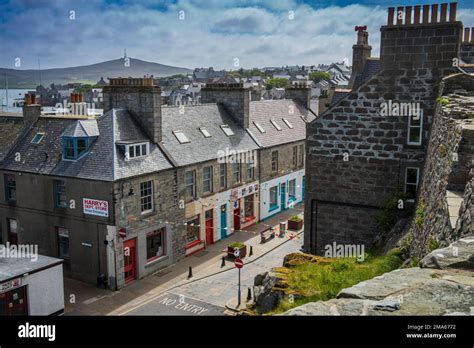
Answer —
191 33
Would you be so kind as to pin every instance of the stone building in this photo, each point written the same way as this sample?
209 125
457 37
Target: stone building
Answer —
105 193
372 142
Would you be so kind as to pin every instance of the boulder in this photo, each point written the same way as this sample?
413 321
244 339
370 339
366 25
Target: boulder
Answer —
459 255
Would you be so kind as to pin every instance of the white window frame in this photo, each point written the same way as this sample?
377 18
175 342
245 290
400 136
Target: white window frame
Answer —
227 130
417 181
193 185
205 132
420 127
150 195
276 125
205 180
181 137
287 123
259 127
139 145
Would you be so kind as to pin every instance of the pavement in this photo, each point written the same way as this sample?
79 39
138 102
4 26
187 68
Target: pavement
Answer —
209 287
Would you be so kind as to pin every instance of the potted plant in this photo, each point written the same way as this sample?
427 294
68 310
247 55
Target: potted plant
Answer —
241 247
295 223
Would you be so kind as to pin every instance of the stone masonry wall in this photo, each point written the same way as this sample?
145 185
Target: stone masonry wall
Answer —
285 160
167 213
448 169
355 156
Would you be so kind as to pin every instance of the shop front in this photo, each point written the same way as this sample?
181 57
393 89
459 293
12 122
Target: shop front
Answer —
281 193
216 217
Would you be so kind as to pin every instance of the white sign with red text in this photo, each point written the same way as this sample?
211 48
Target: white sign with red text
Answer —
95 207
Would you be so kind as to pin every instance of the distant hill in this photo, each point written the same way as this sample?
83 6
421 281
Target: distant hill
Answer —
87 73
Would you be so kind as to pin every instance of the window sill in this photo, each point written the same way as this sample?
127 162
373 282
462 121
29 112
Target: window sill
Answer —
156 260
249 218
192 244
146 212
274 208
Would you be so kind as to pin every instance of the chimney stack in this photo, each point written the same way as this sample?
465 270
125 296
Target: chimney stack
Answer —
141 98
31 110
420 38
360 52
233 96
299 92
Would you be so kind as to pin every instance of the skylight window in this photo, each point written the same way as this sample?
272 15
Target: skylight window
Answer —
37 138
182 138
227 130
205 132
276 125
259 127
287 123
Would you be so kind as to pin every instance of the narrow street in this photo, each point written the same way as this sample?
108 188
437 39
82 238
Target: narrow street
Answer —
216 290
170 291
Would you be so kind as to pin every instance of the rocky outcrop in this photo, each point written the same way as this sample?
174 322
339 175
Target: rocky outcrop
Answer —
445 286
265 297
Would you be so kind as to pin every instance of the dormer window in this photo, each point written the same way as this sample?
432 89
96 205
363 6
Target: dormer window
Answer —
74 148
137 150
227 130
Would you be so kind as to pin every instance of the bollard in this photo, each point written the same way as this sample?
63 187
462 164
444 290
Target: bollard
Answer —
249 295
190 274
251 251
223 261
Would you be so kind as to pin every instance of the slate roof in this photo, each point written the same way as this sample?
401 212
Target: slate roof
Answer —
339 94
83 128
10 130
103 161
263 111
200 148
371 67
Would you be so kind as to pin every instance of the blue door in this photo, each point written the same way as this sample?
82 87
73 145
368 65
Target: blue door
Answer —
302 188
223 221
283 196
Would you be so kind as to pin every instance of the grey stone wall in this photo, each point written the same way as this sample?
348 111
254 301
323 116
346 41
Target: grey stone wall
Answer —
285 160
167 213
467 53
414 58
448 170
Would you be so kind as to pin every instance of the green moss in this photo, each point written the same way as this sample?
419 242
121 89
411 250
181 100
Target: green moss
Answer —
405 246
323 280
420 214
442 100
442 150
432 243
393 208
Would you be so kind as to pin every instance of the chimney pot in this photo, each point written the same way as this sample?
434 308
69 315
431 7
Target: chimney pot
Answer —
408 10
452 11
33 98
472 36
391 11
434 13
467 34
400 15
426 14
444 12
417 15
27 99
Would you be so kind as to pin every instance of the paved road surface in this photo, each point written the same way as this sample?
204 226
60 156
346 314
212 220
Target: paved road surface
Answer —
214 292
